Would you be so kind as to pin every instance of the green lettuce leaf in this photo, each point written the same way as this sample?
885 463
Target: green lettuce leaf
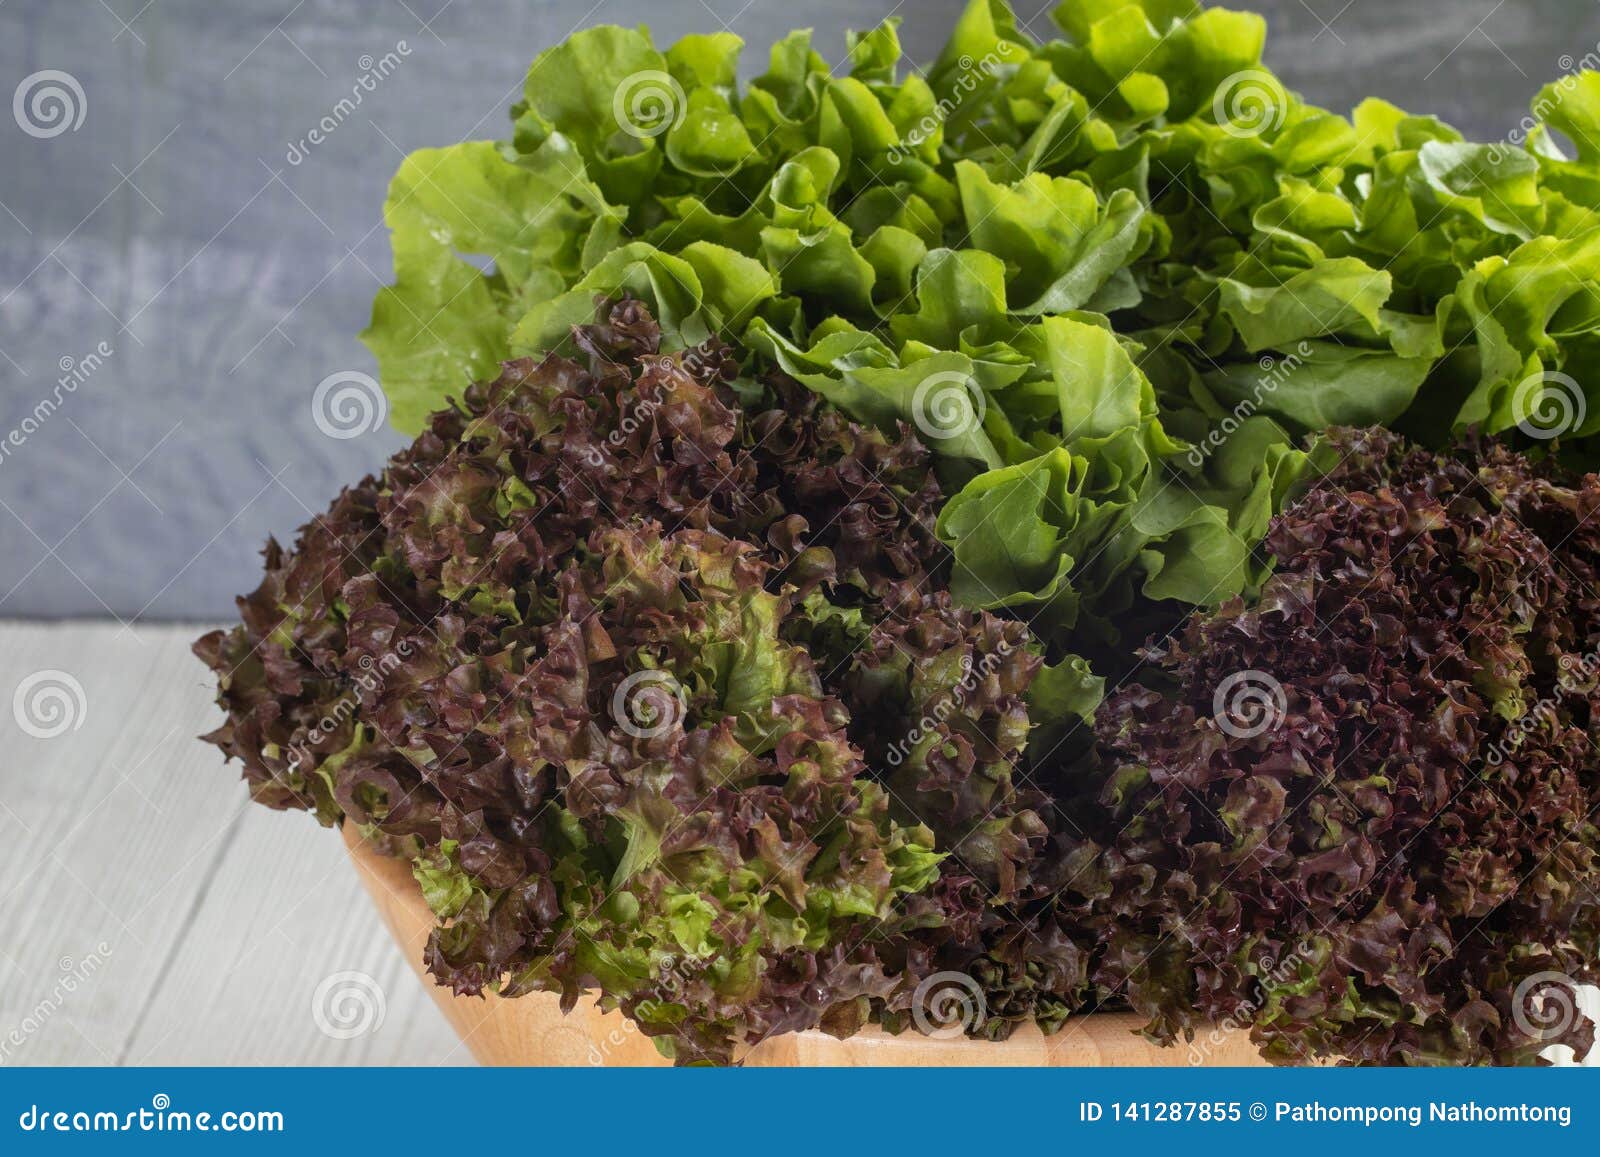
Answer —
1105 277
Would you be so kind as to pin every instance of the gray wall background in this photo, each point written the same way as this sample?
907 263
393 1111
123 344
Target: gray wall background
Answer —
228 283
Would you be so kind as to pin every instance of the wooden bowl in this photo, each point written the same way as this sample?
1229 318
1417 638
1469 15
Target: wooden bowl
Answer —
531 1030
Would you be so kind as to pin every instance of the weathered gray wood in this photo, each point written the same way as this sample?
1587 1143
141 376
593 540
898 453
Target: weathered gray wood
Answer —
281 916
129 853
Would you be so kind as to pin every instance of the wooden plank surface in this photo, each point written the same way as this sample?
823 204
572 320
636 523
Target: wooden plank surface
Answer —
153 915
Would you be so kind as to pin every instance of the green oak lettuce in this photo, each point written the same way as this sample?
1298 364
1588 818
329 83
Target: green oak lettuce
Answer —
1088 245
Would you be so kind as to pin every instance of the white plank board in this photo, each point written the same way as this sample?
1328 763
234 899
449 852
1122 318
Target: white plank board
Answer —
153 915
291 938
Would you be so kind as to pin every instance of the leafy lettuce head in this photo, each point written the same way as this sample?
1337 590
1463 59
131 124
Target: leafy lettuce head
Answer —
1113 276
1358 816
602 653
1019 356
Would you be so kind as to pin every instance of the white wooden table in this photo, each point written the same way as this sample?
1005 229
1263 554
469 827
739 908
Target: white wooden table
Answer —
149 913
